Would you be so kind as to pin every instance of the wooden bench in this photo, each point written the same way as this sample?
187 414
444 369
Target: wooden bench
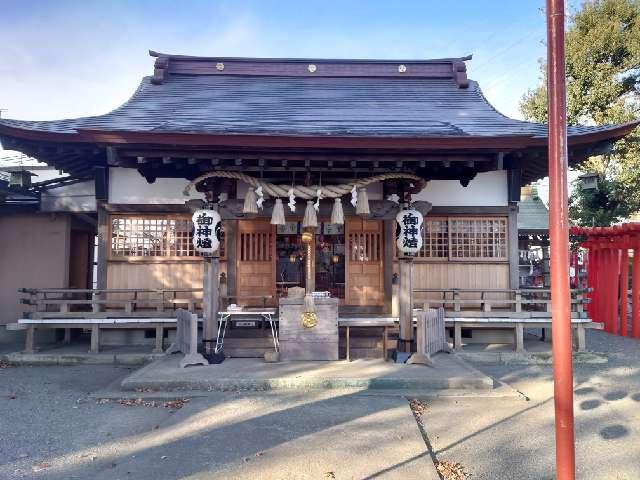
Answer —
518 324
458 323
95 324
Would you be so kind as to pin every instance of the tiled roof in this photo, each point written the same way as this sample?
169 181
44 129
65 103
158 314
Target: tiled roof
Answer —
357 106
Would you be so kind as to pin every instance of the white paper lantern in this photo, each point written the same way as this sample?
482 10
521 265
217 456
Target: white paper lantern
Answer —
207 230
409 238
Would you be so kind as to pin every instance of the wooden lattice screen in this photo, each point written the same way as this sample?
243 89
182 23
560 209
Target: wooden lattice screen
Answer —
153 236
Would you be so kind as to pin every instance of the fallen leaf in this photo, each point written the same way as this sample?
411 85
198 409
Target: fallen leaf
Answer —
451 470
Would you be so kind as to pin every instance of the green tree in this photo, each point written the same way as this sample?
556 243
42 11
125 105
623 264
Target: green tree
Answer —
602 48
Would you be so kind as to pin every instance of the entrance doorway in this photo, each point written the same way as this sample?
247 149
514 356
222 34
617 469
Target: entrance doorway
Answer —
328 257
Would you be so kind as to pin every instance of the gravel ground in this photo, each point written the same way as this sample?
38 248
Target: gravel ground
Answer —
45 412
53 427
506 438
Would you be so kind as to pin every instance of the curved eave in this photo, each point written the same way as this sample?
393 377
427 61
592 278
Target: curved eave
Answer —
510 142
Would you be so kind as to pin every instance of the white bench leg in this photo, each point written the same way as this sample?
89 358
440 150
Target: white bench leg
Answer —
159 338
29 340
457 337
95 339
519 332
581 338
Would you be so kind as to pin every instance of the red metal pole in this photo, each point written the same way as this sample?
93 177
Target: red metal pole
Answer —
559 236
635 294
624 285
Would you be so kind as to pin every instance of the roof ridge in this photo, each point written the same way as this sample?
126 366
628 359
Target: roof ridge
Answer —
451 68
155 54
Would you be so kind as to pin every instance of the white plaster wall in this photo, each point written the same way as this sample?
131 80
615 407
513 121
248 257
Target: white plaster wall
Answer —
126 185
488 189
77 197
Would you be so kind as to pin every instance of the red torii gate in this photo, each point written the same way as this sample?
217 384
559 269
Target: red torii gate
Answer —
608 275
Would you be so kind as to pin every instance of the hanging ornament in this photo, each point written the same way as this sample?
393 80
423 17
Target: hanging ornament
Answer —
260 195
277 217
317 204
250 205
337 215
292 200
310 218
362 207
354 197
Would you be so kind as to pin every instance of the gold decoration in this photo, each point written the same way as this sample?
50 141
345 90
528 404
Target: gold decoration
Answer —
307 237
220 66
309 319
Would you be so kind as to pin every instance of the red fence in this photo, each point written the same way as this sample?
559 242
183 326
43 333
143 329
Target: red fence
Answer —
608 275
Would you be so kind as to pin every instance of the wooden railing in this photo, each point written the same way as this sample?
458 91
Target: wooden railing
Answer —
488 300
126 302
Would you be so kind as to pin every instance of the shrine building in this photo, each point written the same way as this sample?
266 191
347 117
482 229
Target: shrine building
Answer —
334 146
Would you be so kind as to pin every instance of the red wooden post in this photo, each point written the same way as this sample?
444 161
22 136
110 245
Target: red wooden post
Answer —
559 236
590 278
614 290
624 285
635 294
595 295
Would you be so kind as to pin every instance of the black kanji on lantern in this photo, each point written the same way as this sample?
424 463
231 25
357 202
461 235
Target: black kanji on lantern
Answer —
203 242
204 219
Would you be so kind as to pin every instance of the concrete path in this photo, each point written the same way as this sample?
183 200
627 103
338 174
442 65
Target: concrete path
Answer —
254 374
53 428
507 438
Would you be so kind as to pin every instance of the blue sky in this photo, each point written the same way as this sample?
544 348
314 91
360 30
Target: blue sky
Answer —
62 59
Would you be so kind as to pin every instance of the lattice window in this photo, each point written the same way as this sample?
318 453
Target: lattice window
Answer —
256 246
464 238
153 237
478 238
365 246
436 239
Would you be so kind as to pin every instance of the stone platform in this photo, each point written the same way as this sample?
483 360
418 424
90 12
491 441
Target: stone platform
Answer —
450 372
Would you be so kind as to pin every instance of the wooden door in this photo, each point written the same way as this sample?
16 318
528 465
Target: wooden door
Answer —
365 252
79 259
256 261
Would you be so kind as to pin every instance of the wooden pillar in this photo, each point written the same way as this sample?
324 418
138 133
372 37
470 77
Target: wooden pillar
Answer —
514 256
230 229
103 246
624 285
405 294
387 266
210 302
635 294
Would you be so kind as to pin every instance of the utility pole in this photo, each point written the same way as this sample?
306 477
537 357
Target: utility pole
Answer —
559 237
